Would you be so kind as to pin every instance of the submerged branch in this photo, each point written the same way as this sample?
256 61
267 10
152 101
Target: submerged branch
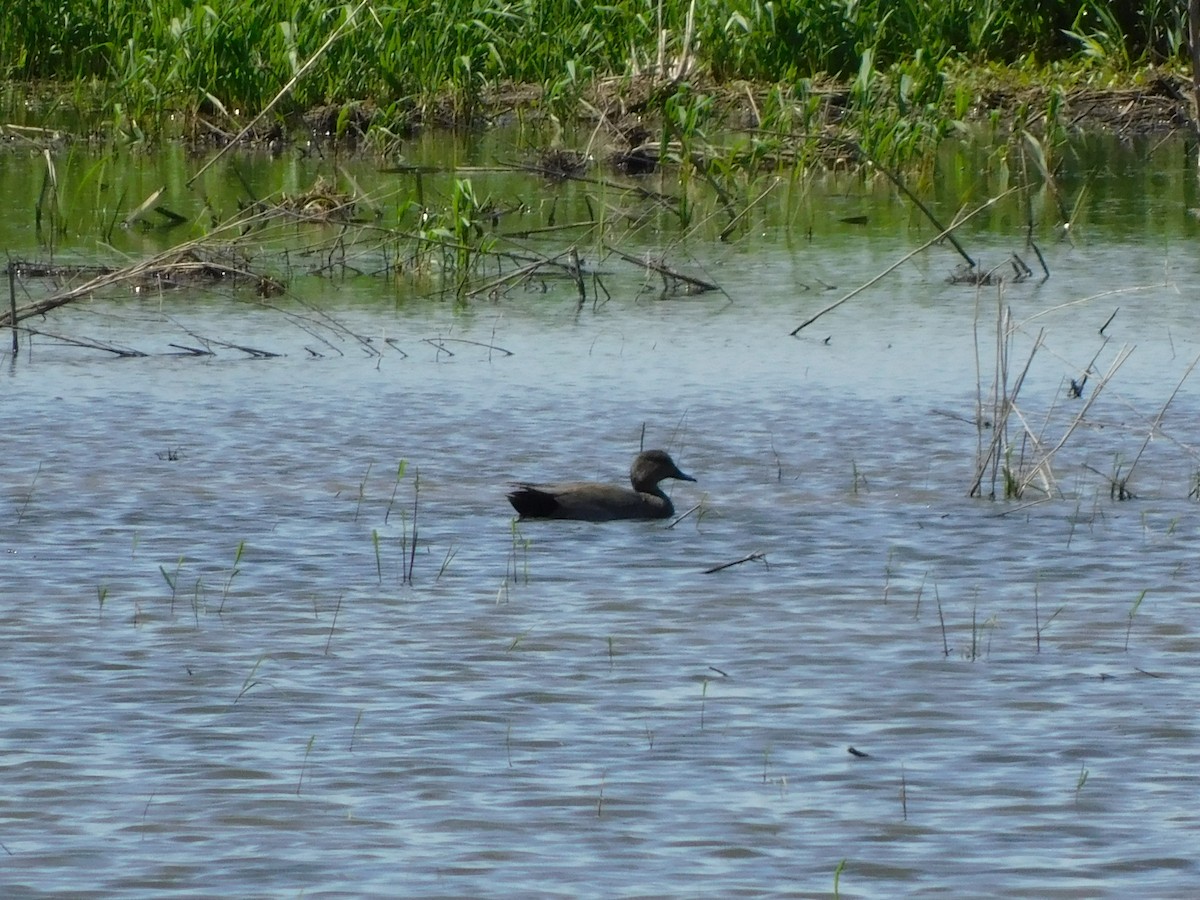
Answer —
698 285
124 352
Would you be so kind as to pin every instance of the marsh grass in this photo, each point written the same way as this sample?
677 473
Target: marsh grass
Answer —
941 622
217 68
251 680
197 601
1137 604
49 216
412 550
172 580
1038 625
449 245
362 491
401 468
1080 781
451 552
1120 482
234 570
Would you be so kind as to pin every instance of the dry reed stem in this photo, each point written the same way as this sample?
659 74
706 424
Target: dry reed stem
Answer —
1088 299
1003 400
902 260
1045 456
1158 420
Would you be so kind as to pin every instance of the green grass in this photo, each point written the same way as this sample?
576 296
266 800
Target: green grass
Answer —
413 57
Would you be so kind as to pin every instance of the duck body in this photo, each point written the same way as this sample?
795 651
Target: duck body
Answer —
591 501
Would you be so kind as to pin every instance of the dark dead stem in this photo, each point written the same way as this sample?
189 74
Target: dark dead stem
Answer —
1041 259
12 303
942 620
124 352
333 625
1037 625
698 285
758 554
1109 321
903 188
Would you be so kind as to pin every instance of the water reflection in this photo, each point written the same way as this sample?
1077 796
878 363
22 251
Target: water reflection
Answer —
566 707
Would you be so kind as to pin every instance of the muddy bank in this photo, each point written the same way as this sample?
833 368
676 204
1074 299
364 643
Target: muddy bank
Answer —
633 108
626 113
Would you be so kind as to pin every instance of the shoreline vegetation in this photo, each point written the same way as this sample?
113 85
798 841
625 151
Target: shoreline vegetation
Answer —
891 79
728 99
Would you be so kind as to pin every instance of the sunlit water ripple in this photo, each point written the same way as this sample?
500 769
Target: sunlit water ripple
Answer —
571 709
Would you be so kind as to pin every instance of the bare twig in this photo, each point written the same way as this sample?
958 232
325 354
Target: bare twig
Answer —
758 554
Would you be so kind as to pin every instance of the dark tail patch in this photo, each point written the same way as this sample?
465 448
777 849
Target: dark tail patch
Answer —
532 503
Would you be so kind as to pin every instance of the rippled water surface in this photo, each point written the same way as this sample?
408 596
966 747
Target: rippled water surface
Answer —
218 679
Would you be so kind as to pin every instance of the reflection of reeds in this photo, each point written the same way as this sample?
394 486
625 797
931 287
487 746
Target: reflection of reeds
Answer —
48 209
520 548
192 263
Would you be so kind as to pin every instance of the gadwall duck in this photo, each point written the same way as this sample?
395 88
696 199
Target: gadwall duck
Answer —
594 502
